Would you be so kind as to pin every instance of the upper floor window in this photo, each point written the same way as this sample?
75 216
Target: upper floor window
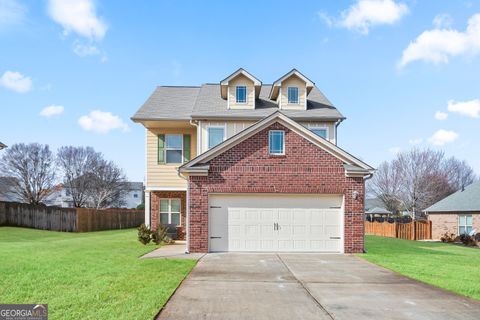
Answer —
292 95
215 136
464 224
174 148
322 132
276 142
135 195
241 94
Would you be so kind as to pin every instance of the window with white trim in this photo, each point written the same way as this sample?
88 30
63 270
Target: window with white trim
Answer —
174 148
322 132
215 136
464 224
241 94
292 94
170 212
276 142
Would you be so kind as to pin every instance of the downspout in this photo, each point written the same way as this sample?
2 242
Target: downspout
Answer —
363 214
336 127
187 214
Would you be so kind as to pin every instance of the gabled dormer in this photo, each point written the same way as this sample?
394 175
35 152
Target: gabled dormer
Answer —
290 91
240 89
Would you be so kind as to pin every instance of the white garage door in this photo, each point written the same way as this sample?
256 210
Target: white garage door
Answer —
275 223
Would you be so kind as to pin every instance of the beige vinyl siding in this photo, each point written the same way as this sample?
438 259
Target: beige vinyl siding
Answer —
329 125
241 80
232 128
293 81
165 175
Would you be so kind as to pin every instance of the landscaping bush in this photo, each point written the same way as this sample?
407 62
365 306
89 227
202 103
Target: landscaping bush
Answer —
449 237
477 237
160 235
144 234
468 240
141 206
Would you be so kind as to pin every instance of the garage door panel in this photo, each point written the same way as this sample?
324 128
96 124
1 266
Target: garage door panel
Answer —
275 223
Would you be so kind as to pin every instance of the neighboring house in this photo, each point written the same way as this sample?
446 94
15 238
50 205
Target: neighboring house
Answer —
61 196
458 213
2 146
134 195
243 166
7 193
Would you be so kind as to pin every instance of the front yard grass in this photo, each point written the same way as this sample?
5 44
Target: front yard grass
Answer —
447 266
94 275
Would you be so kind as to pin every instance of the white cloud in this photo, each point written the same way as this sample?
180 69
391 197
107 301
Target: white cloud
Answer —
78 16
415 141
439 115
365 14
438 45
16 81
101 122
442 137
329 21
467 108
443 20
11 12
84 50
394 150
51 111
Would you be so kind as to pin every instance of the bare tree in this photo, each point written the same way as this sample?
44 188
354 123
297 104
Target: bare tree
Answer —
459 173
416 179
107 185
77 165
386 185
32 169
423 180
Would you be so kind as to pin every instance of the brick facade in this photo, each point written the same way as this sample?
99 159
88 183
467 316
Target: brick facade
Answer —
249 168
155 197
445 222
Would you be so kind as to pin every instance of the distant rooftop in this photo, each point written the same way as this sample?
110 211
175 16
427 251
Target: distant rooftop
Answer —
462 200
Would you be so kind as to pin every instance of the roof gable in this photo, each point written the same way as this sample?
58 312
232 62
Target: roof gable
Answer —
292 73
224 83
353 166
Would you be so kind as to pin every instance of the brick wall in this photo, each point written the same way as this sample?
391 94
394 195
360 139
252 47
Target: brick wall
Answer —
249 168
448 222
155 197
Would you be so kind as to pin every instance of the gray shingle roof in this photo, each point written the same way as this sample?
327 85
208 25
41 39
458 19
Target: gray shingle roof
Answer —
466 200
168 103
183 103
378 210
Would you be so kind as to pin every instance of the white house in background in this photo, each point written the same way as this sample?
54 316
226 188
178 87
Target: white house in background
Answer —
61 196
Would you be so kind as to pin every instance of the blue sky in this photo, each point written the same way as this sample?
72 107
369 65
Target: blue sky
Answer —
404 73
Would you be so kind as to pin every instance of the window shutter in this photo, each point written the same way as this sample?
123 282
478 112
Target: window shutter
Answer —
161 148
186 147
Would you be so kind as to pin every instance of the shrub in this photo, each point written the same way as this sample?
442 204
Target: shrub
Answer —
144 234
160 234
448 237
141 206
468 240
477 237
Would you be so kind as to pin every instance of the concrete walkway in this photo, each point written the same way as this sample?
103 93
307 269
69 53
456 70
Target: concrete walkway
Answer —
172 251
307 286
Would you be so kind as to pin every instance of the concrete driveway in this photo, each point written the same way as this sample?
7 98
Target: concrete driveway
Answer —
307 286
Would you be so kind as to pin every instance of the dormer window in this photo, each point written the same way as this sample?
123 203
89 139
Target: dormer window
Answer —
241 94
292 94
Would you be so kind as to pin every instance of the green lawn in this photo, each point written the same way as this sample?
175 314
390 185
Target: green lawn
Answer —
94 275
448 266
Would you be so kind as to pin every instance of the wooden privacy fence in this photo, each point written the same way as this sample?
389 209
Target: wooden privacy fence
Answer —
68 219
415 230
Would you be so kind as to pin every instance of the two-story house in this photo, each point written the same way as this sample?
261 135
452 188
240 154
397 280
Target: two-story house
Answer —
244 166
